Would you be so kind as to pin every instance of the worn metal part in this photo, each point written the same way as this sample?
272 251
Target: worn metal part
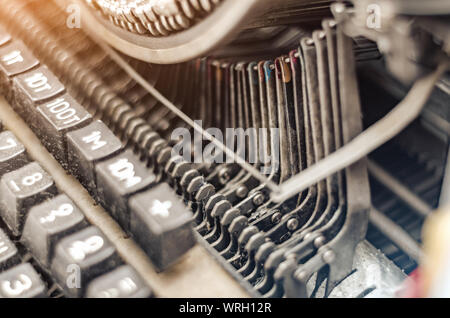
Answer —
445 197
271 249
179 47
374 276
413 45
373 137
173 31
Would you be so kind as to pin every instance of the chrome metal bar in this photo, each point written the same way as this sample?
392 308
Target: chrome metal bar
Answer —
406 195
396 234
445 192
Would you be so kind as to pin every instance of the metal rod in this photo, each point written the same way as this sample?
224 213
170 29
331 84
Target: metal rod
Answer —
161 98
445 192
369 140
396 234
406 195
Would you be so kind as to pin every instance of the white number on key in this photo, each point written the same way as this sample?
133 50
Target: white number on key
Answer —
80 249
11 143
17 287
64 210
3 247
27 181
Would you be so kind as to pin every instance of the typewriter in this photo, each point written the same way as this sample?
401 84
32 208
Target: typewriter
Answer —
223 148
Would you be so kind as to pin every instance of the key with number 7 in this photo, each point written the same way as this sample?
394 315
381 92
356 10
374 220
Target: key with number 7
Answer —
12 153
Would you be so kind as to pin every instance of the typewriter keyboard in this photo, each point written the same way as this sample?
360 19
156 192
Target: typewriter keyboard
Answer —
48 248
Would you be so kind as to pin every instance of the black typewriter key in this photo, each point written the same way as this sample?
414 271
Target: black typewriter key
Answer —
15 59
161 224
86 147
22 189
21 281
9 255
117 179
122 282
4 37
12 153
81 257
48 223
33 88
54 119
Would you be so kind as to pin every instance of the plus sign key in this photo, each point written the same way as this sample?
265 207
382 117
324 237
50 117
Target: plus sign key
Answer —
119 178
162 224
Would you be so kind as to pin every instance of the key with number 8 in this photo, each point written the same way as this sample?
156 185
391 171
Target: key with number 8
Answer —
81 257
22 189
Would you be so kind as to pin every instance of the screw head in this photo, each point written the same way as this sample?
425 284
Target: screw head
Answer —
307 236
329 257
300 276
318 242
258 199
292 224
339 7
224 176
276 218
242 192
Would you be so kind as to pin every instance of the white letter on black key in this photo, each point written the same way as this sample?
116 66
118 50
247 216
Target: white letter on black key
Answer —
117 179
55 119
14 59
34 88
86 147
